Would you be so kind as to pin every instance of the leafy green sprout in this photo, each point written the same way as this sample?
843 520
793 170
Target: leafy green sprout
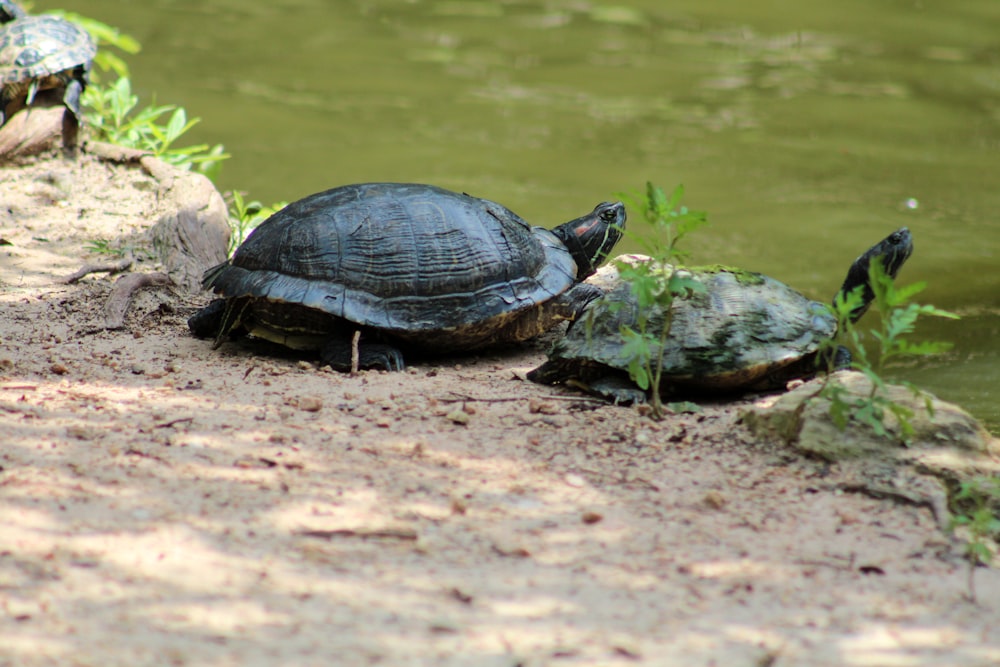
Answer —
898 316
244 216
112 114
111 109
656 283
980 498
102 246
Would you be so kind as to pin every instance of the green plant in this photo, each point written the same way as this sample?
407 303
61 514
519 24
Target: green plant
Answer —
102 246
656 283
898 317
244 216
111 109
979 497
112 114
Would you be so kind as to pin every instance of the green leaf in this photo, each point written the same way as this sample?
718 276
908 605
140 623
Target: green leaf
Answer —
683 284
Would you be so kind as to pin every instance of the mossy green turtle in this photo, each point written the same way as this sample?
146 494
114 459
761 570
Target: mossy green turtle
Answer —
745 330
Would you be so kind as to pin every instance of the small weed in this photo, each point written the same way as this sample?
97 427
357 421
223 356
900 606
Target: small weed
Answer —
244 216
656 283
104 247
898 318
979 497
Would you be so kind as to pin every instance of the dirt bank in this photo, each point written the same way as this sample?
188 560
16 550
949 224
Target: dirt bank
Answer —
163 503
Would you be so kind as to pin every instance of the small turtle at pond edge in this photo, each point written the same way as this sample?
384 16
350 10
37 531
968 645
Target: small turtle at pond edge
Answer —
744 331
10 11
44 53
404 264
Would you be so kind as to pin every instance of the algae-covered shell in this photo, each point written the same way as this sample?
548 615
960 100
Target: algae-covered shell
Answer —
741 330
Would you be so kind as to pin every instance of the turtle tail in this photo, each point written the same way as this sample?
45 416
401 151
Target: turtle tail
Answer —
891 253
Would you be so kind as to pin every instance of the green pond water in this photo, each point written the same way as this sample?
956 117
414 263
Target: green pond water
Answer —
807 130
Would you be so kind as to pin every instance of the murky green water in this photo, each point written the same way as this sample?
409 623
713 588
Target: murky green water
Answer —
808 130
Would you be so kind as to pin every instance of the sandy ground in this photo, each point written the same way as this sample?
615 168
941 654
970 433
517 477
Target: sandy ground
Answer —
165 504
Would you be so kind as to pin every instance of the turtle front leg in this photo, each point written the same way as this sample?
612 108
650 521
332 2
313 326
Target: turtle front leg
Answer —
206 322
613 388
571 303
71 118
338 352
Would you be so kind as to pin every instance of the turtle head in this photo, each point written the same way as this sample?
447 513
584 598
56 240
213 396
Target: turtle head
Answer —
9 11
591 238
891 252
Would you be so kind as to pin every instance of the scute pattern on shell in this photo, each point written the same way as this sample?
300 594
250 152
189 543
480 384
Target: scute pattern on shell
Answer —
404 258
37 46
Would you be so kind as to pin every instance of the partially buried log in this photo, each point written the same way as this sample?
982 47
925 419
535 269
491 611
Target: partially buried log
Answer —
192 237
31 131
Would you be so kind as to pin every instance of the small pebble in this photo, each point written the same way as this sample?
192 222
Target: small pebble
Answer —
58 369
592 517
80 432
714 499
310 403
458 417
538 407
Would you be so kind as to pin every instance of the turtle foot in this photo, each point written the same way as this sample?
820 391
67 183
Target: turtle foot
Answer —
615 389
207 321
378 356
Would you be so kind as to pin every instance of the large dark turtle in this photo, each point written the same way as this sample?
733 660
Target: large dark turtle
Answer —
404 264
43 53
744 331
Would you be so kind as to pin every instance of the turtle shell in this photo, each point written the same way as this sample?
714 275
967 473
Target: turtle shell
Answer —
409 260
743 328
34 47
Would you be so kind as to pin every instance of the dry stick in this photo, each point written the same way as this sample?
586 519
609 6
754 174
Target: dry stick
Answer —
355 352
460 398
109 267
174 422
121 295
383 533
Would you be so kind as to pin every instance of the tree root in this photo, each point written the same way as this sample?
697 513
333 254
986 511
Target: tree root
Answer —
121 295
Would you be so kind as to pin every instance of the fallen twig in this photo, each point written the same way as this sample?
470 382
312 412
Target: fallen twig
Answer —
107 267
460 398
174 422
378 533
